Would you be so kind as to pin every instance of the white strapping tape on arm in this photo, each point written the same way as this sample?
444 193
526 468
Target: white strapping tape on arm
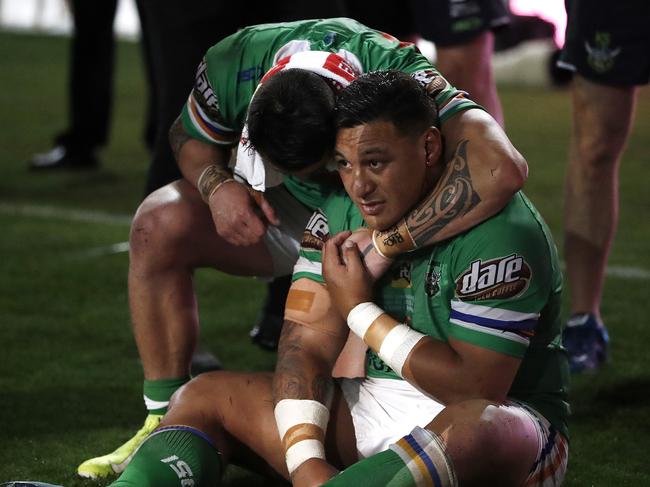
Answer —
362 316
292 412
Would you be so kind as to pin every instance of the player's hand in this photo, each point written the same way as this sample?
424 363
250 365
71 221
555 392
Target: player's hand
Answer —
240 216
348 281
376 263
312 473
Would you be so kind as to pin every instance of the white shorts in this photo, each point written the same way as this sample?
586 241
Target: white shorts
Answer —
385 410
283 241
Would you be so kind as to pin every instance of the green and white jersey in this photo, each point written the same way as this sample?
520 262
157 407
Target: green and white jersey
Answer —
231 70
496 286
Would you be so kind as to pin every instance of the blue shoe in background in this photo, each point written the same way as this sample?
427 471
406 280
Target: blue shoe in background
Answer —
586 341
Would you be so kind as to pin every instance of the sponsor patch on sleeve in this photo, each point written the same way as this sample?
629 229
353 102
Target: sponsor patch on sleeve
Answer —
316 233
432 81
205 114
501 278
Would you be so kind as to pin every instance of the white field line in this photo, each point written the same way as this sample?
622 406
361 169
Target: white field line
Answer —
74 215
45 211
69 214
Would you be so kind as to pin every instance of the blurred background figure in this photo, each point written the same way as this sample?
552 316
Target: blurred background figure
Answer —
608 48
463 33
90 89
461 30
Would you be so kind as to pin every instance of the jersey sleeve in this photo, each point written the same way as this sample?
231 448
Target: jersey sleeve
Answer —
309 263
201 116
336 214
502 272
384 51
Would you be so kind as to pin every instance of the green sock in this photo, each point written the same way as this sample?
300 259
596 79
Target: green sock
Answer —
385 468
419 458
157 393
172 457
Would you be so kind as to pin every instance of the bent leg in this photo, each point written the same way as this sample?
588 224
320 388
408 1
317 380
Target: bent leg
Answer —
218 417
452 450
171 236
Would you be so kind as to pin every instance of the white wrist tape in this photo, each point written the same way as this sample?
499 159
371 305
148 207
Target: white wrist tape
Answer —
301 424
397 343
397 346
362 316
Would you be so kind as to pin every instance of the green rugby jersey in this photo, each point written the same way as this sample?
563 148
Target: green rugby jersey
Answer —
495 286
231 70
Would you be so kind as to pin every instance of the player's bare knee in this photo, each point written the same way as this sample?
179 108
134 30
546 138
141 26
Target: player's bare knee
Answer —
471 428
162 223
196 398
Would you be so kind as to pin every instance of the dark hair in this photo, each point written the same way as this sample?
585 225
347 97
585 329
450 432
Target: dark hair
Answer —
392 96
291 119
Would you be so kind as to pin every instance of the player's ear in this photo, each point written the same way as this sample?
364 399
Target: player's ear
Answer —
432 145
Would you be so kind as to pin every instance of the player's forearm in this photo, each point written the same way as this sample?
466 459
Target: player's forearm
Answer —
483 173
302 393
194 156
432 366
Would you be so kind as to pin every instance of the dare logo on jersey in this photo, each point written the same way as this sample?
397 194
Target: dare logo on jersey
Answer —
500 278
316 232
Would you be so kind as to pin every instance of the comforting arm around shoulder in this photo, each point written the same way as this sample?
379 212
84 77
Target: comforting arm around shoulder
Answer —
483 172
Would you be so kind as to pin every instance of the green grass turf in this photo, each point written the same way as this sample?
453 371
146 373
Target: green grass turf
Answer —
70 379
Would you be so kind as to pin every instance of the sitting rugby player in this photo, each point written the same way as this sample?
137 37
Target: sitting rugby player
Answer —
466 379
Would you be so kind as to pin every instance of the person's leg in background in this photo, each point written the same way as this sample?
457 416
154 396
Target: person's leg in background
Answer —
464 41
90 89
469 67
607 47
602 118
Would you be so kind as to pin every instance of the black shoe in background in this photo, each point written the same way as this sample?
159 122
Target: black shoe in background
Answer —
266 333
60 157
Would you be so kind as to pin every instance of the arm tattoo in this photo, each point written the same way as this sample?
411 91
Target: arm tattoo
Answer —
177 137
293 379
453 197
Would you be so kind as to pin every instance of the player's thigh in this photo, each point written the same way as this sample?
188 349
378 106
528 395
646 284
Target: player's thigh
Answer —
340 440
471 428
467 64
173 226
235 410
602 113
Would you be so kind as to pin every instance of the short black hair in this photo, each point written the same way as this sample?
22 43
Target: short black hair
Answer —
291 119
392 96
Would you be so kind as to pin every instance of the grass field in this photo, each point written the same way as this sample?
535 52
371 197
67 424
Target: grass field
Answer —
70 380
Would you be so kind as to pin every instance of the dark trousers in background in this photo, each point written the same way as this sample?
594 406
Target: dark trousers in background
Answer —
90 86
